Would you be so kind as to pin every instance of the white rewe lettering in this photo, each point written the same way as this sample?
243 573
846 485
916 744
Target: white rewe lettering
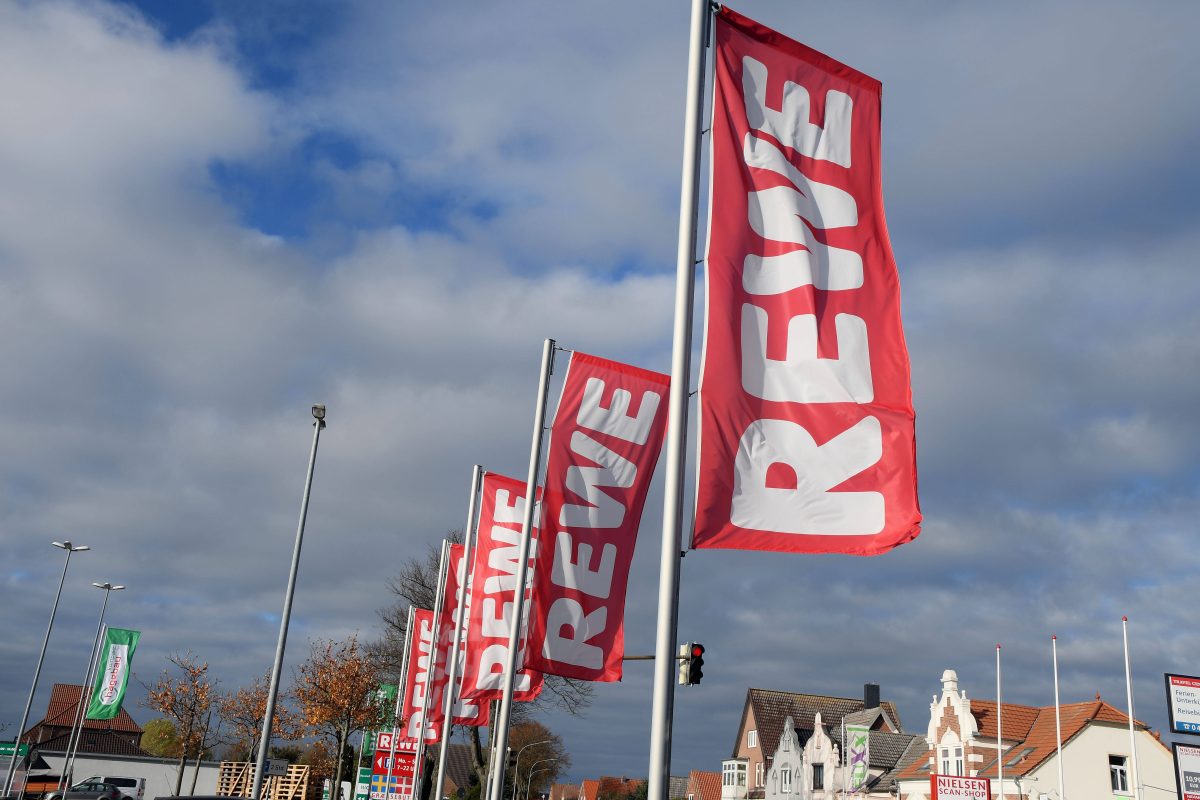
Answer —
771 446
802 376
604 510
576 574
615 419
566 617
792 125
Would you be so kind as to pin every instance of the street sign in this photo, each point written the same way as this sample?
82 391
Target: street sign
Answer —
6 749
276 767
396 788
1187 770
362 787
405 760
383 742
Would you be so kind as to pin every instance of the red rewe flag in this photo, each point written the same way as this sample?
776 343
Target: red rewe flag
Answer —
603 448
422 657
493 594
466 712
807 439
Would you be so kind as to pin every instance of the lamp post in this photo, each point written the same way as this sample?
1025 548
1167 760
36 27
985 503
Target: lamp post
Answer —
77 727
517 764
264 745
12 764
529 779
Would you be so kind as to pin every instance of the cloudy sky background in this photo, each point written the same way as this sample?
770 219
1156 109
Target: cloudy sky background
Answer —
214 214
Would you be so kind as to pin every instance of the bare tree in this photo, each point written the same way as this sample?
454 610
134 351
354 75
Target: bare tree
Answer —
416 585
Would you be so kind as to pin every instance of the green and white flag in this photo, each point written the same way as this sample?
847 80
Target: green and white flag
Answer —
112 675
858 751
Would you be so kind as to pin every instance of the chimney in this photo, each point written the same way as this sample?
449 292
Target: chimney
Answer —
870 696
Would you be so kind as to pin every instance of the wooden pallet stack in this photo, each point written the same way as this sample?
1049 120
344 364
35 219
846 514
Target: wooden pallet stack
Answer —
236 779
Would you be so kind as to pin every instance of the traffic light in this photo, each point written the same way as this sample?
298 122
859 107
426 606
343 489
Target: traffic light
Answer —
691 663
695 663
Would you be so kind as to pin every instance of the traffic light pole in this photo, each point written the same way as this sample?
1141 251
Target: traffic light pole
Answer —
677 413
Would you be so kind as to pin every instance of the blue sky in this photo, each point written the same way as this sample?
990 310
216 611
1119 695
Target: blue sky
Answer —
215 214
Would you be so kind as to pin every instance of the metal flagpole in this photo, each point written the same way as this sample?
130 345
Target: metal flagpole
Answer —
1137 786
430 673
401 688
12 762
362 745
491 775
1057 720
460 598
93 667
845 761
999 738
677 415
518 611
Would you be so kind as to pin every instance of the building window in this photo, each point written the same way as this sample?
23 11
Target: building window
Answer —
752 738
1117 774
733 773
818 776
945 770
758 774
958 761
785 780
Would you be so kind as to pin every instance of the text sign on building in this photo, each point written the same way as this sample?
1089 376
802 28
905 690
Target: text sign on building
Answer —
957 787
1187 770
1183 703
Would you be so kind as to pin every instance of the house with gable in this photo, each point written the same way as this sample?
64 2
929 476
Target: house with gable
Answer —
789 745
964 738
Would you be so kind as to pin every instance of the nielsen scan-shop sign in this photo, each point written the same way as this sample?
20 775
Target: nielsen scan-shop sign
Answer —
957 787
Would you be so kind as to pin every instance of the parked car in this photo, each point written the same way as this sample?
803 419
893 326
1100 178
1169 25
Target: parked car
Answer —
132 788
89 790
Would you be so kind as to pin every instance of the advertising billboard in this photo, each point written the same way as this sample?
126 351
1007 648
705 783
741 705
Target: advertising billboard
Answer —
958 787
1183 703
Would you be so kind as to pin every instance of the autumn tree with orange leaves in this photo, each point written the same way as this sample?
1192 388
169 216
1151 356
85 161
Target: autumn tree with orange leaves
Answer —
186 699
336 689
244 711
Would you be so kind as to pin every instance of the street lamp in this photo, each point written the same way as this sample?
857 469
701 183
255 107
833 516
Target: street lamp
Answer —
93 654
529 780
264 745
12 764
517 765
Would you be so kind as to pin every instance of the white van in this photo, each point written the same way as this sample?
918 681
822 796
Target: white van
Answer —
133 788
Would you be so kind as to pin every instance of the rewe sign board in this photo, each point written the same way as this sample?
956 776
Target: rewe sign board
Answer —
956 787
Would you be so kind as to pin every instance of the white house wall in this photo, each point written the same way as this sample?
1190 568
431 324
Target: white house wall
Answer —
159 773
1085 765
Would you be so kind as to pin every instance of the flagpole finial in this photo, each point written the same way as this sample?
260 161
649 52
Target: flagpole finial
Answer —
997 647
1053 637
1124 619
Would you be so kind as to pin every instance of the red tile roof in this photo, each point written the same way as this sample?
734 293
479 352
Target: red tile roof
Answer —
588 790
772 707
64 705
617 787
564 791
704 785
1032 731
